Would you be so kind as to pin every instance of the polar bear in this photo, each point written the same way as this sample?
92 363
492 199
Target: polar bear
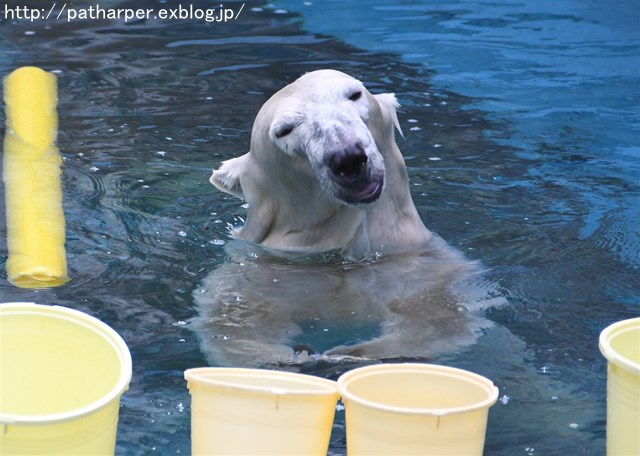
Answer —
333 239
324 172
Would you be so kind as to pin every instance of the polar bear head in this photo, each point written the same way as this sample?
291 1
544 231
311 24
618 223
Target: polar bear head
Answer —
324 121
322 157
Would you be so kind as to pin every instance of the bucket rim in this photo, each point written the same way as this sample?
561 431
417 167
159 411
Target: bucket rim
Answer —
377 369
318 386
606 337
91 323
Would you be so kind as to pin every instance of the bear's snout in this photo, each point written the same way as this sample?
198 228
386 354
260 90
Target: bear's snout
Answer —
348 163
357 179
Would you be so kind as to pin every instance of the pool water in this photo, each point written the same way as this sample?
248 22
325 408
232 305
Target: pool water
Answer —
521 127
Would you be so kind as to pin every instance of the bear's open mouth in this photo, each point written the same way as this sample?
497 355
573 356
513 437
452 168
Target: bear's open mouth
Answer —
367 195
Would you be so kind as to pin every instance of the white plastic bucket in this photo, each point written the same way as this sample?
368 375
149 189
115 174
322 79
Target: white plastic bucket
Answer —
254 411
620 344
62 373
413 409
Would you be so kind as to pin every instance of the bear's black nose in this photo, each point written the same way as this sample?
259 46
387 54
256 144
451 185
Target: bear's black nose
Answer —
348 163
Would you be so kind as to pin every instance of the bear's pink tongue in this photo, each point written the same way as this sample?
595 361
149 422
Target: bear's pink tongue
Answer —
369 194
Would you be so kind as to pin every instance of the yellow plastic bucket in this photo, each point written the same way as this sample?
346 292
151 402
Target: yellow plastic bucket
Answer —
620 344
413 409
62 373
253 411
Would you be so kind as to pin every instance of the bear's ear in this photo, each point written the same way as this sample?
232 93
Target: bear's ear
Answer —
227 177
388 104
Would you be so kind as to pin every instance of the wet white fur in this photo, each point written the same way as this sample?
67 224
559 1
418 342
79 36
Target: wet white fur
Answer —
285 181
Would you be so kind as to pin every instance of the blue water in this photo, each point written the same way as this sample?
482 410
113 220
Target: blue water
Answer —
521 122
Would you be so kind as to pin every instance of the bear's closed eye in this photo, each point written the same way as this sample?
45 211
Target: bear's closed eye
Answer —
355 96
284 131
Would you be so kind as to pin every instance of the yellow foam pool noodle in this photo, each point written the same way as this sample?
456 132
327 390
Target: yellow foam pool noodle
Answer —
32 168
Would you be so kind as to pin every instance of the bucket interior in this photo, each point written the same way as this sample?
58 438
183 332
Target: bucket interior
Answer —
627 344
54 362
